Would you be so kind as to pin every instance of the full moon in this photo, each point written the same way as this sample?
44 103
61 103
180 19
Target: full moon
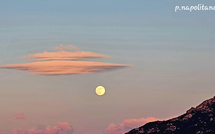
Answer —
100 90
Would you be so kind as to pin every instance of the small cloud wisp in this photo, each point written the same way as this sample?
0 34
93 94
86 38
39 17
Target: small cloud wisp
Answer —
69 47
19 116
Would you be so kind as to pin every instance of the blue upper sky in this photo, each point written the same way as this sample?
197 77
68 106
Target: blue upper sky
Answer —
99 11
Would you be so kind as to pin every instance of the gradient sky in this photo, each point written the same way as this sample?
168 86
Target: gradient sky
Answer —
170 56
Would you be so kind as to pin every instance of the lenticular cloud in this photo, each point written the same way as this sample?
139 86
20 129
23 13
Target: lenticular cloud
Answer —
64 67
64 62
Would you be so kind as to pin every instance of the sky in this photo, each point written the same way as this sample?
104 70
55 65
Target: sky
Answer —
154 63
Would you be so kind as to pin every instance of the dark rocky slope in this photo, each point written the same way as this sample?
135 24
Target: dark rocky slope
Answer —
199 120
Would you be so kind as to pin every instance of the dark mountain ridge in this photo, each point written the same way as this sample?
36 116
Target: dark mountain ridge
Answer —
198 120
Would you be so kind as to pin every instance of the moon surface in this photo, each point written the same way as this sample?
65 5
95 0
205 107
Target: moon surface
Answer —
100 90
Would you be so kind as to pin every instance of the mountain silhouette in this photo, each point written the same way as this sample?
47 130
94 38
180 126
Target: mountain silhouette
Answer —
198 120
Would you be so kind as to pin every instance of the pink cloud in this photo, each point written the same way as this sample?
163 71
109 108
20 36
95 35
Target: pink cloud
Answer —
64 67
128 124
65 55
60 128
64 62
19 116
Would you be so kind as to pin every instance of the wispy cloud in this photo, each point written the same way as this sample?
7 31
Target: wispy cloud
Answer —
65 55
64 67
60 128
69 47
19 116
128 124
